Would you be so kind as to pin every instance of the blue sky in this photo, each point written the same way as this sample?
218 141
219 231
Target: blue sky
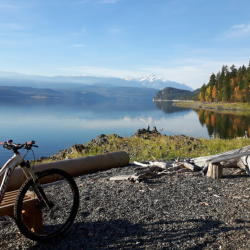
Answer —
182 40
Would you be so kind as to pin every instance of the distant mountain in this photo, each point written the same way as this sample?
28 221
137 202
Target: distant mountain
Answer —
157 82
83 92
10 93
69 81
176 94
150 81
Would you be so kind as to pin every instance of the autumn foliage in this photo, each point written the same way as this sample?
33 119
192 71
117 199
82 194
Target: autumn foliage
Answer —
228 85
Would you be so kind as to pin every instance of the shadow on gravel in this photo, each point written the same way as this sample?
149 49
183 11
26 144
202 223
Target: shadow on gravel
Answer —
235 176
121 234
193 233
114 234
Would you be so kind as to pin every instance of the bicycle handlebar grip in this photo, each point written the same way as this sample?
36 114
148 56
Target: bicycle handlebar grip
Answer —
30 142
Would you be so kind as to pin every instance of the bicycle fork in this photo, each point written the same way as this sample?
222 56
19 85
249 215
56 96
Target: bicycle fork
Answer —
36 186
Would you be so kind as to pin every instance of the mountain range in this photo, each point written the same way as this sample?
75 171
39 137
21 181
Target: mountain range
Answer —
83 87
74 81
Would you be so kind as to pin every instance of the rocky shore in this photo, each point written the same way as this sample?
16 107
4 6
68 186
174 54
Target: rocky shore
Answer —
145 144
179 211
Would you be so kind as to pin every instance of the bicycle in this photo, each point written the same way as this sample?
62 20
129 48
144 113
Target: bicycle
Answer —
58 200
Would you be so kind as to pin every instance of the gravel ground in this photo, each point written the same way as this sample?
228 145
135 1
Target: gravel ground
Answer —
178 211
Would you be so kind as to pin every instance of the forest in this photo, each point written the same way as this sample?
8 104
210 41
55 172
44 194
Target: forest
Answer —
228 85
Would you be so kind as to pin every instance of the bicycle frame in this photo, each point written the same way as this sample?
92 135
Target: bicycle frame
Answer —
7 170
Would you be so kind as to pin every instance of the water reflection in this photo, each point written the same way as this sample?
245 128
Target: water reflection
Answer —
167 107
224 126
57 123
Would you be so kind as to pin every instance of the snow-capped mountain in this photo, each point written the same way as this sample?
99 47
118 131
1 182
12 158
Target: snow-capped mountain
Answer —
148 78
158 82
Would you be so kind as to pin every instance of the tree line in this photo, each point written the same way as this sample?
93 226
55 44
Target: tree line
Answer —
228 85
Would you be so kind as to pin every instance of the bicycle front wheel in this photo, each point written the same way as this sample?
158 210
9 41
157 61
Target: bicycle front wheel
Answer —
34 219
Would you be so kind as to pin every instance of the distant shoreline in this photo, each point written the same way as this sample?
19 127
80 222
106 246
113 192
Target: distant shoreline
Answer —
158 100
220 106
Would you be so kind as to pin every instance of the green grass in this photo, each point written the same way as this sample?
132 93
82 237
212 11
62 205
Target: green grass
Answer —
160 147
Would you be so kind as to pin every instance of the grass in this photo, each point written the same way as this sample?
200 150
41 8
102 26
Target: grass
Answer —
157 147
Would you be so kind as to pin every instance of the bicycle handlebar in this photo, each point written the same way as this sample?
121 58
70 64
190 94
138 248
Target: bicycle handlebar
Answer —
13 146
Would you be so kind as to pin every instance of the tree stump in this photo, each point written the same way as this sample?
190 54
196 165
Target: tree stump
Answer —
215 171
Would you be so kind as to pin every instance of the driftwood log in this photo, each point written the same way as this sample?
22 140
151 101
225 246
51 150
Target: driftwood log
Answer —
211 166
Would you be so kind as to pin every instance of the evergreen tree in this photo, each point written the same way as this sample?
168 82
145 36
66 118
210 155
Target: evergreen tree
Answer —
233 71
228 85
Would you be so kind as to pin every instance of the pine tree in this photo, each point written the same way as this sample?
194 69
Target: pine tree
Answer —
233 71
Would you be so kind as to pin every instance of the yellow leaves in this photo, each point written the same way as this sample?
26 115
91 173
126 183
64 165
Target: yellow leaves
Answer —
208 90
214 92
201 97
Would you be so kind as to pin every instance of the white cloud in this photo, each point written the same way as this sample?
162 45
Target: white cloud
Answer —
238 30
101 71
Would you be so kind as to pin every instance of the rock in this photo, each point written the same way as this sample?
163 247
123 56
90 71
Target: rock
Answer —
100 139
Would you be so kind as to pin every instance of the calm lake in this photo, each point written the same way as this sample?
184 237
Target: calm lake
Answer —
56 124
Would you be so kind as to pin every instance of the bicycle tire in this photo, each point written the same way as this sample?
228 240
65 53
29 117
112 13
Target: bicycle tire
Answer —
64 194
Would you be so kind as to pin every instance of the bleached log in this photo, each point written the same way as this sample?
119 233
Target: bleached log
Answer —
164 172
228 157
200 161
191 166
119 178
162 165
140 164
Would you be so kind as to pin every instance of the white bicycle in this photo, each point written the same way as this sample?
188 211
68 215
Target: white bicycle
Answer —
57 201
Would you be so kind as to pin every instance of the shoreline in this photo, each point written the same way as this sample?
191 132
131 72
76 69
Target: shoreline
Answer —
218 107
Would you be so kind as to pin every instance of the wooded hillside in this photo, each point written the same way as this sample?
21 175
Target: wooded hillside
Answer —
229 85
176 94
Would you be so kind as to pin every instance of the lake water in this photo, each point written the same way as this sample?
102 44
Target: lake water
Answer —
56 124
